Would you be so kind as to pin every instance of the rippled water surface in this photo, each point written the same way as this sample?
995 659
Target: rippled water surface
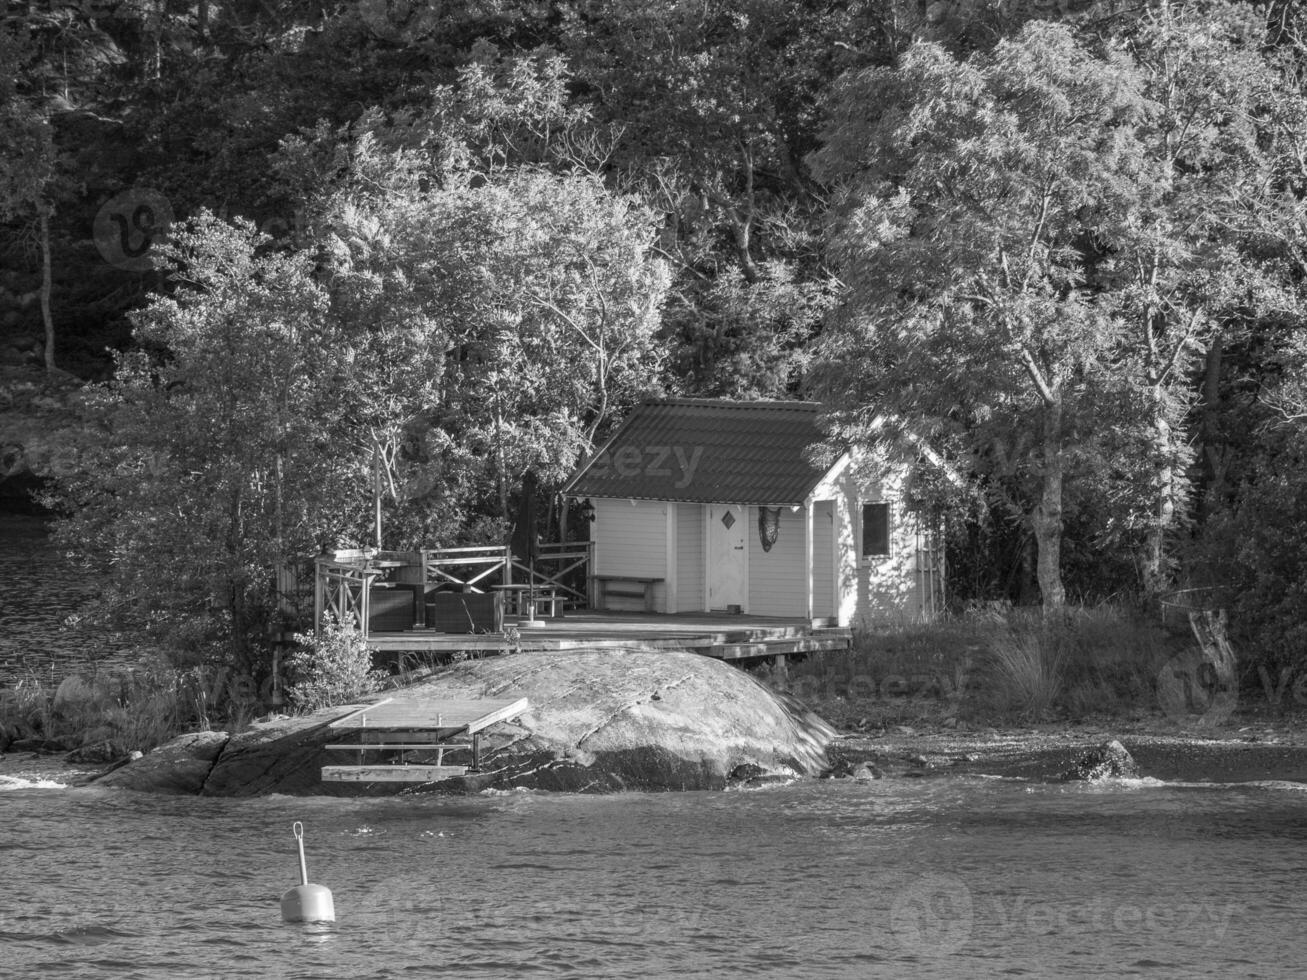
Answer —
959 877
39 591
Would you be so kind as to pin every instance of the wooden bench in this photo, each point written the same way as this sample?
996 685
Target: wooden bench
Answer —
519 597
546 598
644 591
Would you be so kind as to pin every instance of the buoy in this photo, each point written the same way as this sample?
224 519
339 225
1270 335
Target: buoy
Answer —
305 902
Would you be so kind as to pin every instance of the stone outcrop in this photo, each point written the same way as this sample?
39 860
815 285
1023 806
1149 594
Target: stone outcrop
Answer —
179 767
599 721
1108 761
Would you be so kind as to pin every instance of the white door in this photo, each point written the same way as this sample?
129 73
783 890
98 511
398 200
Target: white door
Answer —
727 568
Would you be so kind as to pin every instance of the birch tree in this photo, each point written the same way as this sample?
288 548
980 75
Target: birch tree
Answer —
964 253
1056 211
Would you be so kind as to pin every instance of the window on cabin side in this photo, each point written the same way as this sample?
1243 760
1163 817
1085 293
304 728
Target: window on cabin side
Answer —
875 530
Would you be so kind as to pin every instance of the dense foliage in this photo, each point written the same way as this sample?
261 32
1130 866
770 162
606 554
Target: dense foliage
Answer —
442 247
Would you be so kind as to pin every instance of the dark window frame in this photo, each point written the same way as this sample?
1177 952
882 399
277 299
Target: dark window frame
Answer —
876 521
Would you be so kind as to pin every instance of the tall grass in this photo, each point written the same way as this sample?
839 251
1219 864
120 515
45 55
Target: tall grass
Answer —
991 667
119 712
1027 665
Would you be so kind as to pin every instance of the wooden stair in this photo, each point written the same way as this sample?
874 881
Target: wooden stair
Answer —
743 648
424 727
390 773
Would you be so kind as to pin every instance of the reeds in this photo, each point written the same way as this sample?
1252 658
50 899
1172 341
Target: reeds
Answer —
990 668
119 711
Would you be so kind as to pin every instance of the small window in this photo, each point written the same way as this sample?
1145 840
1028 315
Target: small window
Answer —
875 530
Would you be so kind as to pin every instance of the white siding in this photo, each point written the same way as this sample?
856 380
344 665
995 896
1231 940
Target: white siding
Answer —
777 583
823 558
631 539
875 589
635 539
689 558
888 586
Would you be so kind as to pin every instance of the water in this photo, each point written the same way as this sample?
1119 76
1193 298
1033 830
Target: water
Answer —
960 877
39 592
951 877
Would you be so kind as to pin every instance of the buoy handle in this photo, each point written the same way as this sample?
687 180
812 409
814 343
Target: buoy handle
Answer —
297 829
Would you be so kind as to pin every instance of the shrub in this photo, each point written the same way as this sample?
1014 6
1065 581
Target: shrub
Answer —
128 709
1027 661
332 668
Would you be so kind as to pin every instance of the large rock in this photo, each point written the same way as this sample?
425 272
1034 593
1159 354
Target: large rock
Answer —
1110 760
179 767
600 720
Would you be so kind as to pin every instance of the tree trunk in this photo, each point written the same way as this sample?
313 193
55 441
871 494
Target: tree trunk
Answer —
241 659
1046 521
501 466
1154 570
1213 452
47 280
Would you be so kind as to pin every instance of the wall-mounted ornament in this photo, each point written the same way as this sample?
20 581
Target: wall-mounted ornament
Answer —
769 526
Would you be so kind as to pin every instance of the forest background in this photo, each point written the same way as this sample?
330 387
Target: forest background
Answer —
263 252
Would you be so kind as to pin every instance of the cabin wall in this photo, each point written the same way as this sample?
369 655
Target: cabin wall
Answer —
777 583
631 539
777 580
905 586
823 559
689 558
889 585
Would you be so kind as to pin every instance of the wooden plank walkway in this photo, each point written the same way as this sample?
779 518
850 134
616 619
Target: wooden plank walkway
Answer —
467 717
722 636
425 727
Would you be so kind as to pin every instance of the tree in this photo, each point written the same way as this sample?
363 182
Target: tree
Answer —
1178 265
717 103
963 246
29 161
1060 209
553 301
540 289
228 454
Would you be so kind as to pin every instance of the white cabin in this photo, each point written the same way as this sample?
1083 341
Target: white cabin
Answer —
715 501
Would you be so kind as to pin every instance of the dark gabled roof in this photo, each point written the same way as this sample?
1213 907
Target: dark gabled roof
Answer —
707 450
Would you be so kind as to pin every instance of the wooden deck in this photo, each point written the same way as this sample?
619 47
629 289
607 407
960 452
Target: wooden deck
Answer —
723 636
394 728
449 717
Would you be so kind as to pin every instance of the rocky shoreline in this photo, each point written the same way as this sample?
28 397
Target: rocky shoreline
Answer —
1258 750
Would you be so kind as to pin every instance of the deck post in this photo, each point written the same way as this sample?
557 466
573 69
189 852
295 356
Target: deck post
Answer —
807 554
671 601
317 596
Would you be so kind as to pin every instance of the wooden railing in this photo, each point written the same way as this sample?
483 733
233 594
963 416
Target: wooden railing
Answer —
477 564
553 563
340 587
342 580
